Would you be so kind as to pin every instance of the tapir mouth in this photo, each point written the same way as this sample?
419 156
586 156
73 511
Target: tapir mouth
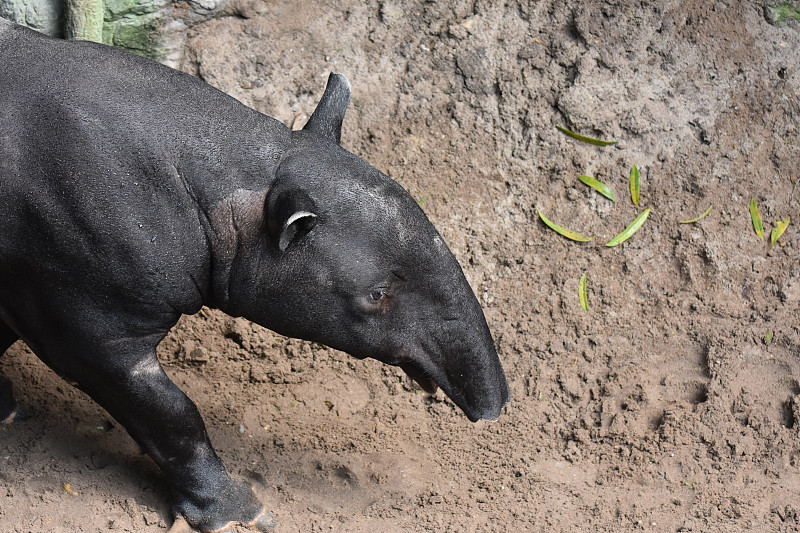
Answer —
423 380
474 412
476 384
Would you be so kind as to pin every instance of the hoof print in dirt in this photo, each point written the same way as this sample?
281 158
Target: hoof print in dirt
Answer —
134 194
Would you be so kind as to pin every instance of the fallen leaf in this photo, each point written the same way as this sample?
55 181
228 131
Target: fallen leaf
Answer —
635 185
582 293
630 230
568 233
778 230
756 218
698 219
584 139
602 188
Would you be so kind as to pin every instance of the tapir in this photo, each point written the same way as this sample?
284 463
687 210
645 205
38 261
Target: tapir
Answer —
132 194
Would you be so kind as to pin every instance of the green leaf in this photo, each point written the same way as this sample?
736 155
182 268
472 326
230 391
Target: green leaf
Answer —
768 337
599 187
582 293
568 233
698 219
756 217
630 230
584 139
778 230
635 185
421 202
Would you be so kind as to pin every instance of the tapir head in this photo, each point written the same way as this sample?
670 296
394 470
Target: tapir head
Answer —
348 259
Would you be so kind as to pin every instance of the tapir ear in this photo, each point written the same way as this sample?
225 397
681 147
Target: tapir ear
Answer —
328 116
290 215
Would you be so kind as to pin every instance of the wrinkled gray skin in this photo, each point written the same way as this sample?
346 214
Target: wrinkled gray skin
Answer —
132 194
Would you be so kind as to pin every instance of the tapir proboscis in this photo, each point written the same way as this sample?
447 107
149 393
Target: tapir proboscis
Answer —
131 194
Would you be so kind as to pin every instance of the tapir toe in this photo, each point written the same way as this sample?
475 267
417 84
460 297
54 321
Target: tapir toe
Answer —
264 522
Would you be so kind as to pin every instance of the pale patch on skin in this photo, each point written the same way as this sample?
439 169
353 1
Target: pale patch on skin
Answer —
238 215
381 207
234 221
148 366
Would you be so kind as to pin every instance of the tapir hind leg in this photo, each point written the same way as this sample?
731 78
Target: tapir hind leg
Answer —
8 406
136 391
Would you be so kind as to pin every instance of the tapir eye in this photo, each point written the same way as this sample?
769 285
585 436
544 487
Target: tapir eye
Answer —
377 295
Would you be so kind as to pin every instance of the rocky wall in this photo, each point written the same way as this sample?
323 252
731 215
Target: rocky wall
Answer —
151 28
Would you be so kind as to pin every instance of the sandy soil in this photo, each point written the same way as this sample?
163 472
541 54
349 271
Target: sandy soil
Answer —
673 404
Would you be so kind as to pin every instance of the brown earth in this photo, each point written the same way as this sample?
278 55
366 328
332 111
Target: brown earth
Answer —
673 404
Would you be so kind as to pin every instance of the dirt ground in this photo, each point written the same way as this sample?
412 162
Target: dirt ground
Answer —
672 404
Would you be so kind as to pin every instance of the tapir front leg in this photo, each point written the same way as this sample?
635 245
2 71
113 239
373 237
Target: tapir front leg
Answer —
167 424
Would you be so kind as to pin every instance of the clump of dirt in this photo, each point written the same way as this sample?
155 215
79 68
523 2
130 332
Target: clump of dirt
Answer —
673 404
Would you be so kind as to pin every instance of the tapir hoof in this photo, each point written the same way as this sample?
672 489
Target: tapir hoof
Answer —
20 415
264 523
15 414
9 410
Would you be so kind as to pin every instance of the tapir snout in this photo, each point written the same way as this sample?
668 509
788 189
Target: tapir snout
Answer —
461 360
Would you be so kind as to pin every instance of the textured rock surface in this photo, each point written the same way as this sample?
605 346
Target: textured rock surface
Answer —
45 16
152 28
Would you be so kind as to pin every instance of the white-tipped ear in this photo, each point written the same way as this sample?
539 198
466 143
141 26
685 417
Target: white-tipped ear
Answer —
301 221
290 214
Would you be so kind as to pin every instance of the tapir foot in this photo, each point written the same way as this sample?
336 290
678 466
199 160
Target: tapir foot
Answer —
9 410
17 415
264 523
230 504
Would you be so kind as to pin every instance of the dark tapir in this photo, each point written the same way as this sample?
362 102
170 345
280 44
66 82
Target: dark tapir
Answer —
131 194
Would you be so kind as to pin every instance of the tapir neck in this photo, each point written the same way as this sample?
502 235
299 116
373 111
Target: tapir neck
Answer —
217 161
227 171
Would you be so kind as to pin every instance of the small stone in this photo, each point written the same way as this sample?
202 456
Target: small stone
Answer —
193 353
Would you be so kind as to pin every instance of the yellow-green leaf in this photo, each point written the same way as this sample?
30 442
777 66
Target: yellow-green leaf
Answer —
584 139
756 217
602 188
698 219
778 230
568 233
421 202
582 293
630 230
635 185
